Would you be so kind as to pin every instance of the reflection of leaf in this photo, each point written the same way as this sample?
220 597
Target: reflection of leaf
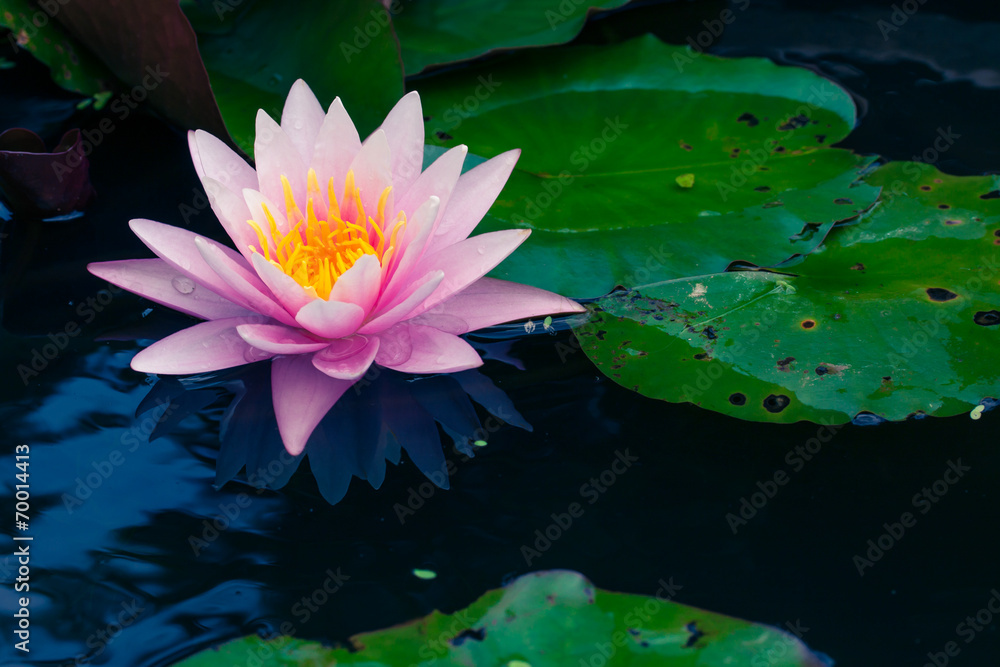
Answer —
434 32
544 619
255 52
897 315
606 132
72 67
41 182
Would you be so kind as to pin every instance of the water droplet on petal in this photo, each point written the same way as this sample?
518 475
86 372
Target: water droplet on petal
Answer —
252 355
481 250
183 284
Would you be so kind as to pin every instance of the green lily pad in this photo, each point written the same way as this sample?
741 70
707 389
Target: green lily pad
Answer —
434 32
254 53
73 67
895 316
606 132
544 619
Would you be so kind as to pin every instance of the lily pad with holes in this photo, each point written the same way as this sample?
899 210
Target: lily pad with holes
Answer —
544 619
435 32
896 316
606 132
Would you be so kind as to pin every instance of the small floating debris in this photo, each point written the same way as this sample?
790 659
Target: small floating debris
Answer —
426 575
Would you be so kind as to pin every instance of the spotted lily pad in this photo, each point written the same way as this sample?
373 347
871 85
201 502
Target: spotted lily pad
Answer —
433 32
643 161
545 619
895 316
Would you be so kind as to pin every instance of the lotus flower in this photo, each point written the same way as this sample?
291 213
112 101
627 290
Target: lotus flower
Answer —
346 255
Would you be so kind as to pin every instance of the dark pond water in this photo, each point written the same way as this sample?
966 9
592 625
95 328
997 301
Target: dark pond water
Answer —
124 551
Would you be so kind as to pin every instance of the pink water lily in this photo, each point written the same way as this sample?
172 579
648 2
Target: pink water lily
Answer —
347 255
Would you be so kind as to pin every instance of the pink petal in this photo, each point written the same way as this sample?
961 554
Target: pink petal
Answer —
243 281
278 339
158 281
336 146
207 346
302 118
467 261
330 319
404 130
371 167
256 202
351 367
396 275
475 193
302 397
177 248
277 156
360 284
231 209
417 293
489 301
291 295
439 179
435 351
214 159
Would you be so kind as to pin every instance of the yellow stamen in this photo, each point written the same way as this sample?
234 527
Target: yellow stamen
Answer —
317 248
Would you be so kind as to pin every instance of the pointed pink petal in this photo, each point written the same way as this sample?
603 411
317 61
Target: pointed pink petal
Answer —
214 159
231 209
158 281
277 156
291 295
330 319
439 179
417 293
396 276
207 346
302 397
256 202
336 146
350 367
243 281
489 301
302 118
360 284
278 339
476 191
435 351
371 167
404 130
177 248
467 261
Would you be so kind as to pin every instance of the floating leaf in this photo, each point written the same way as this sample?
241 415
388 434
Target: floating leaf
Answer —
545 619
433 32
43 183
605 132
254 53
72 66
897 315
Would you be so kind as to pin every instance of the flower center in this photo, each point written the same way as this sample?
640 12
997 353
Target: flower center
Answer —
318 247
